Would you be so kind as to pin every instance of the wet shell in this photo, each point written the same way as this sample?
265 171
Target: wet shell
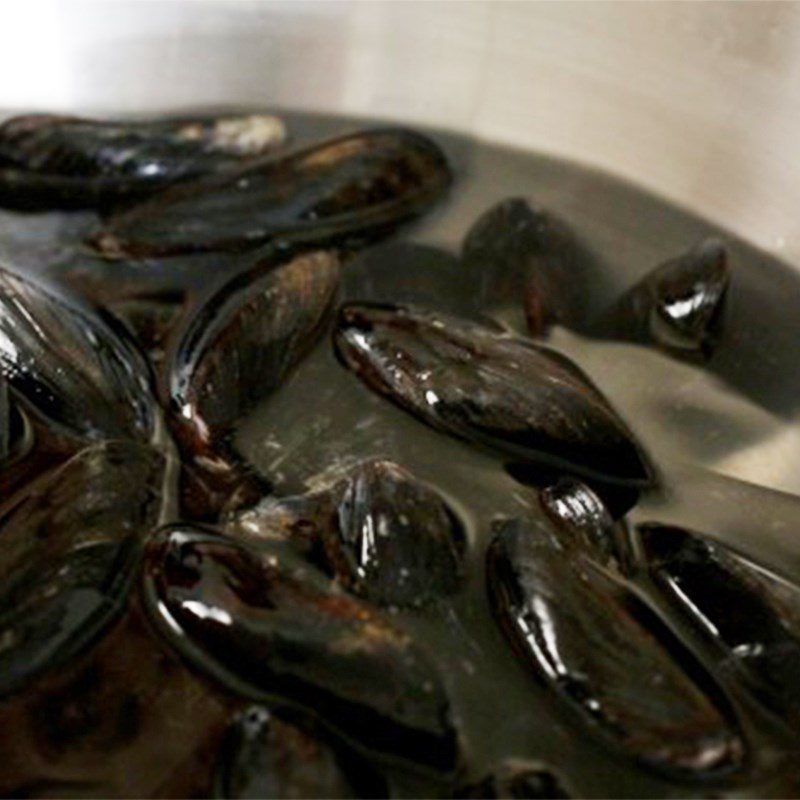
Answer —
266 756
238 348
343 191
49 161
383 534
526 401
125 718
584 521
517 252
679 306
70 545
270 632
605 655
751 617
70 367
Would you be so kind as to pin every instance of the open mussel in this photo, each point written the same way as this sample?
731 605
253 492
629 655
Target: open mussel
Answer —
750 616
271 631
383 534
65 364
517 252
606 654
473 382
679 306
49 161
70 544
237 349
343 191
265 755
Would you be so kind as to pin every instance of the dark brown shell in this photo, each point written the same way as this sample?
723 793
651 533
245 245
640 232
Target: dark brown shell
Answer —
515 252
468 380
272 632
751 617
70 544
236 350
583 520
69 366
125 718
679 306
342 191
49 161
382 533
605 655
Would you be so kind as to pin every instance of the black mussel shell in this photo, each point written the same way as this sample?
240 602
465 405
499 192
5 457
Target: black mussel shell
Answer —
517 780
343 191
272 632
124 718
49 161
679 306
505 392
266 756
383 534
70 545
515 252
237 349
582 518
606 655
618 499
70 367
751 616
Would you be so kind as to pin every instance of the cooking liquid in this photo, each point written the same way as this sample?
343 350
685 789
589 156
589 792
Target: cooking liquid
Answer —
724 437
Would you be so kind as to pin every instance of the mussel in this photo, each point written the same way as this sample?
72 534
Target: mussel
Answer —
400 272
236 350
750 616
475 383
515 252
606 655
343 191
49 161
273 632
382 533
266 756
70 367
582 518
679 306
517 780
70 545
124 718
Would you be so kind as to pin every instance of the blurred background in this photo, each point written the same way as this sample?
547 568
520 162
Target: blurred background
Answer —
698 102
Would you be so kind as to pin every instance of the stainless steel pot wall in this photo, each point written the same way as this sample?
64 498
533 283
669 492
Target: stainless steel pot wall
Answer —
695 101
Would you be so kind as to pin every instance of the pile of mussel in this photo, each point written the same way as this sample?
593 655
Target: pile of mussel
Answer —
171 625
